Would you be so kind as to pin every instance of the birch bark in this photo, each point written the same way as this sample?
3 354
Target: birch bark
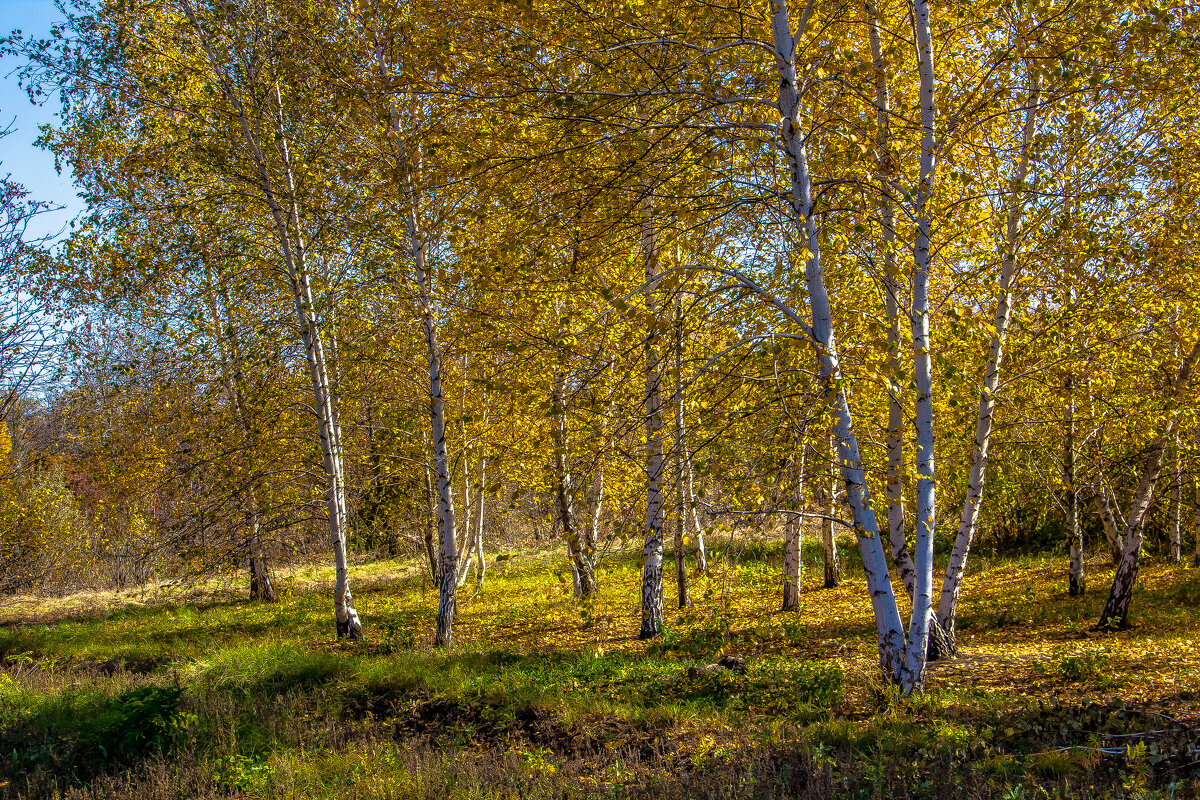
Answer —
985 418
793 527
889 628
465 552
583 569
1116 609
432 522
694 506
833 565
885 172
480 561
419 248
652 552
594 498
1107 518
926 516
288 231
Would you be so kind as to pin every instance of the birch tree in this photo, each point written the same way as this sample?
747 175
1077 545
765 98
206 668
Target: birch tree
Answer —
580 548
885 174
418 241
279 195
891 634
1116 608
1010 249
652 552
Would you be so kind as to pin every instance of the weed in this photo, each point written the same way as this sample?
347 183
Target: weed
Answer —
239 773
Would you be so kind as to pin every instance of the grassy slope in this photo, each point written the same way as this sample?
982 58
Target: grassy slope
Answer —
543 696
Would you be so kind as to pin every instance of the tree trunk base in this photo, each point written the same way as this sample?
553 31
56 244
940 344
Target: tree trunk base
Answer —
942 644
651 629
261 587
350 629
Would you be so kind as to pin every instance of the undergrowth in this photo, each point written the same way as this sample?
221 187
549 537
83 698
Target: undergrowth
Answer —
542 696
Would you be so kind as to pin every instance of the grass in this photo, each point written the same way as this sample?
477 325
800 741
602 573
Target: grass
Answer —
211 695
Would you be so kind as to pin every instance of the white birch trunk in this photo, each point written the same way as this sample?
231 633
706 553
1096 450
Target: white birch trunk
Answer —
985 418
466 548
895 428
432 523
576 582
1116 609
480 562
447 606
1104 506
926 516
291 244
419 248
694 505
875 563
652 551
793 528
595 508
581 553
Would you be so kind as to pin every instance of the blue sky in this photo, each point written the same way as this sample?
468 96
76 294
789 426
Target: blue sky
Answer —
29 165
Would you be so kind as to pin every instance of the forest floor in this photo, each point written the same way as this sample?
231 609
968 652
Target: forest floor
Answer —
206 694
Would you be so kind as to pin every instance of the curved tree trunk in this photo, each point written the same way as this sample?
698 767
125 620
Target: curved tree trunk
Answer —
581 553
290 237
1116 608
890 630
985 417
